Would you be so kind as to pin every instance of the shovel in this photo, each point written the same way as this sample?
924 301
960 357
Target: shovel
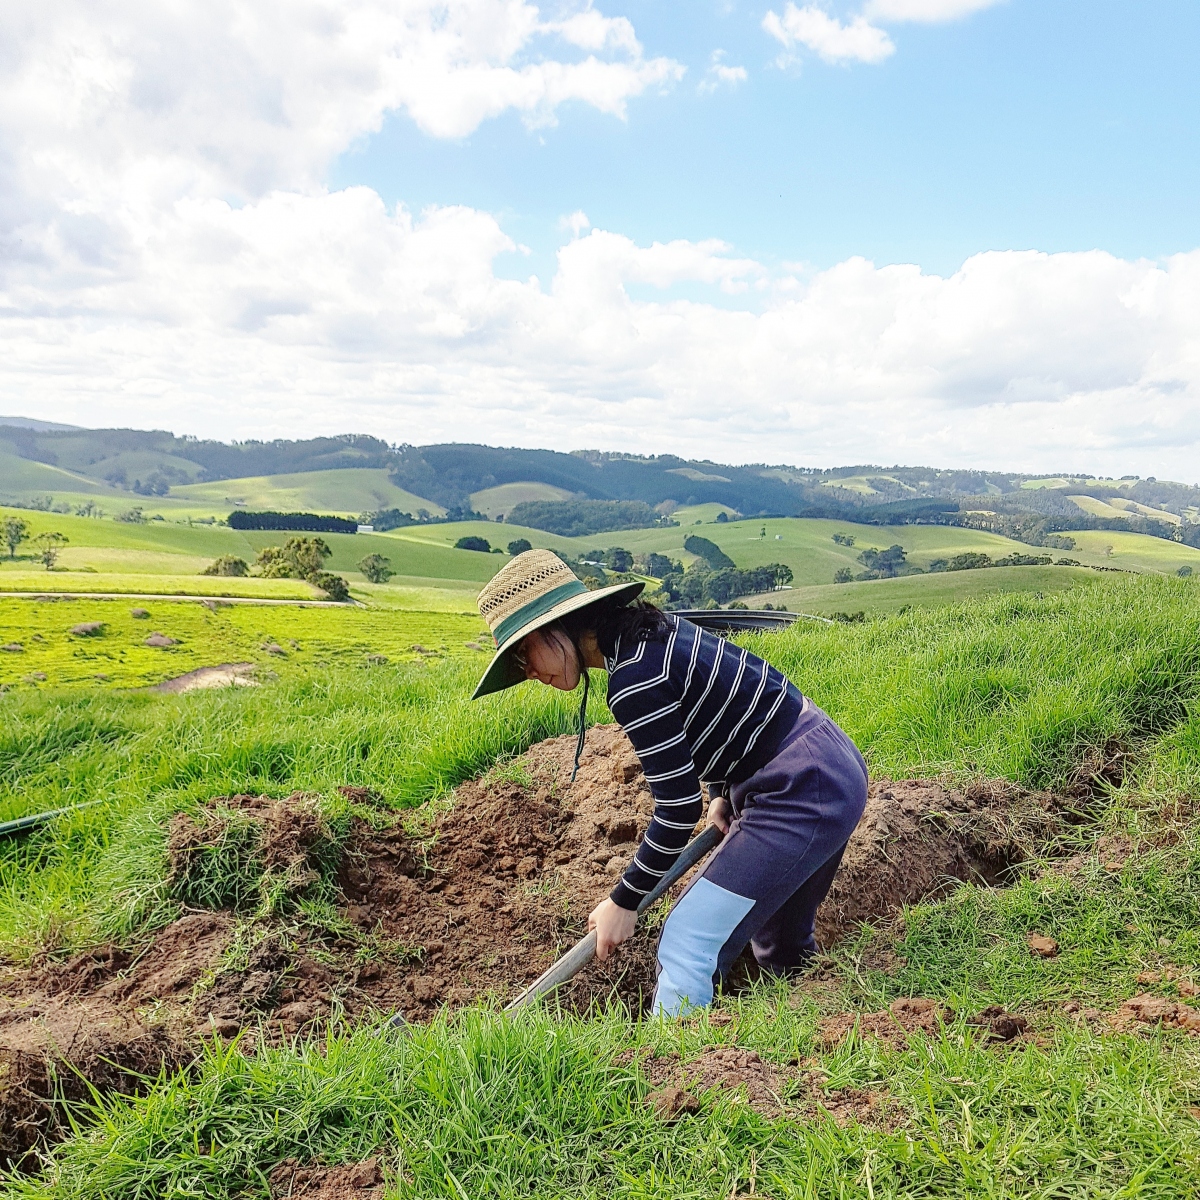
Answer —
584 950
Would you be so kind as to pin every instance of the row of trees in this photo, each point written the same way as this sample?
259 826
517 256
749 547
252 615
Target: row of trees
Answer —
889 563
298 558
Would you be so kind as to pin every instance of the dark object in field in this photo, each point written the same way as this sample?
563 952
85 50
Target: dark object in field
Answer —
296 521
1002 1026
34 821
140 614
13 648
740 621
160 640
274 648
88 629
473 543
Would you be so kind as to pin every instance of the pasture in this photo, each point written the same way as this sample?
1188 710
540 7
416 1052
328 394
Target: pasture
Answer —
813 1088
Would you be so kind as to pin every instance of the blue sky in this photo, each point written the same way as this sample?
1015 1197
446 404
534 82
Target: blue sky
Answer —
1047 124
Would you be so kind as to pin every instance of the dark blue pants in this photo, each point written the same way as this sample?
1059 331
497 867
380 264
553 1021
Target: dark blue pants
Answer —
762 885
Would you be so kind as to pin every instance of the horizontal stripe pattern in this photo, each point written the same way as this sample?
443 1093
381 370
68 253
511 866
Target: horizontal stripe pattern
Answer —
694 706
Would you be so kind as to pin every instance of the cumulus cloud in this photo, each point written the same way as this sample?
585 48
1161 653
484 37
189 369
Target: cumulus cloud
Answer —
172 259
855 41
721 74
928 11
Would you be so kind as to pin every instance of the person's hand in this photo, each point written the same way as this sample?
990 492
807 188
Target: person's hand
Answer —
613 925
718 813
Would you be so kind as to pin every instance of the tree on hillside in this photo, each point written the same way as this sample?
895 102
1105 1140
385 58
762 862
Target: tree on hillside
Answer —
712 554
474 543
657 566
15 532
618 559
48 545
519 546
376 568
228 565
883 564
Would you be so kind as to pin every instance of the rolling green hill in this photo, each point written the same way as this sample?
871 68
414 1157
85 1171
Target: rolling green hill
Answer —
344 491
496 501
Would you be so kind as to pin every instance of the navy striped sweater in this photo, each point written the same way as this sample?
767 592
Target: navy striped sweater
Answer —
695 707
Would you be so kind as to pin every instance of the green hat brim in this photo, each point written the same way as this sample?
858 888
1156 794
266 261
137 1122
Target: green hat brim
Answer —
503 672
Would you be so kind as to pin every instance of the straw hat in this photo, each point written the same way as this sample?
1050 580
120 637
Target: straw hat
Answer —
534 589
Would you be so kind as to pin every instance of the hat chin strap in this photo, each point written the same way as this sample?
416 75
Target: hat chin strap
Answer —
587 679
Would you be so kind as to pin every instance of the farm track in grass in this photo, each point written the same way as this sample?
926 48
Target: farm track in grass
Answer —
557 1104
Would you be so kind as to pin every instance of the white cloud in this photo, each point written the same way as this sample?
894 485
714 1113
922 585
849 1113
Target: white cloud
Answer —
720 74
297 314
173 260
928 11
856 41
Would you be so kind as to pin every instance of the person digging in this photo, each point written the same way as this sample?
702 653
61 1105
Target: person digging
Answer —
787 786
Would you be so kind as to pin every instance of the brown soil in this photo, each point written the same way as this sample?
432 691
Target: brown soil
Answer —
359 1181
451 905
746 1078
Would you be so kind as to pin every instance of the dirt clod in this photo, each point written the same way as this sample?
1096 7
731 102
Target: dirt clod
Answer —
359 1181
909 1014
671 1103
1148 1009
1002 1026
160 640
88 629
1041 946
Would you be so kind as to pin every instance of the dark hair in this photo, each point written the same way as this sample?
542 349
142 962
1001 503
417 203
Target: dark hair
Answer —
636 622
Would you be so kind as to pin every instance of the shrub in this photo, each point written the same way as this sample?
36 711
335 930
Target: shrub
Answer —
844 539
131 516
1184 572
227 564
473 543
519 546
376 568
334 586
843 575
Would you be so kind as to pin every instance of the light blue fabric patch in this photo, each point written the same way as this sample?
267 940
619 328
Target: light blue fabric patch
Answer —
699 925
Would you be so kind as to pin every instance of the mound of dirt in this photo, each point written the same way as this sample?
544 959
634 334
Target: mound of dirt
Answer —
445 907
54 1050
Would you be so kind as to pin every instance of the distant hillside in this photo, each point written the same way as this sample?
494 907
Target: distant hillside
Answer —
357 473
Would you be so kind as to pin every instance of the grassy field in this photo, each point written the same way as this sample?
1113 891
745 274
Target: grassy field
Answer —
548 1105
346 491
877 597
316 638
496 501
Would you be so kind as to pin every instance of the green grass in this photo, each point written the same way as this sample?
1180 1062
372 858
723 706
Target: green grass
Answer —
310 638
878 597
346 490
549 1105
499 500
